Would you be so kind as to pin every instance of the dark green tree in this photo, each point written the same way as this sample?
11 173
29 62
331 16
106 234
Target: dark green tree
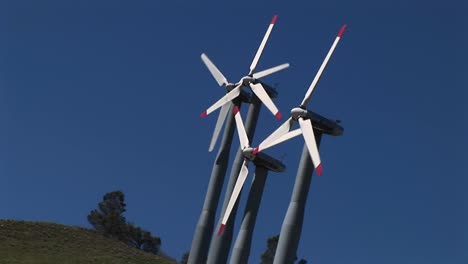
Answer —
184 259
134 236
150 244
141 239
109 220
269 255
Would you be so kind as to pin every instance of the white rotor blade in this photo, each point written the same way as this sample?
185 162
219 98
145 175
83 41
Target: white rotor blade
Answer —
322 67
219 124
269 71
278 133
289 135
225 99
235 194
309 137
244 140
262 45
265 98
219 77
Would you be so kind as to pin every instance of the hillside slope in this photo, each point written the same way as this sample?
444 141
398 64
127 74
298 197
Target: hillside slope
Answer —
49 243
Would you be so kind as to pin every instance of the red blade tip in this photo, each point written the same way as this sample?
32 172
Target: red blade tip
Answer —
319 169
255 151
202 115
342 30
221 230
273 21
236 110
278 116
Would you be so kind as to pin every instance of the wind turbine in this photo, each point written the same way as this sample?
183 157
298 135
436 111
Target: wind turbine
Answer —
247 151
301 114
234 89
283 133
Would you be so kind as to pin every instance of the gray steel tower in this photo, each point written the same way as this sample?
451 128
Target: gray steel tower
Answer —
205 225
241 250
292 223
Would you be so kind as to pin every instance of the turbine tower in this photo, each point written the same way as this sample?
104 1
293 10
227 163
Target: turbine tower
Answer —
205 225
241 251
292 224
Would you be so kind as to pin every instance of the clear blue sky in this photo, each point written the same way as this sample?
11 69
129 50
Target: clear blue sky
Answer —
96 97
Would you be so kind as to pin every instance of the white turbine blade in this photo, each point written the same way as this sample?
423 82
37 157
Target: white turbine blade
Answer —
219 124
322 67
262 45
235 194
265 98
244 140
219 77
278 133
225 99
309 137
289 135
267 72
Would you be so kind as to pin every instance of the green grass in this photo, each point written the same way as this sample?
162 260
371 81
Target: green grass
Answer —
49 243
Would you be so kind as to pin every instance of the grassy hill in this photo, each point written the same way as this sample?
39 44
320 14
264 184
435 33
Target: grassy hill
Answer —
49 243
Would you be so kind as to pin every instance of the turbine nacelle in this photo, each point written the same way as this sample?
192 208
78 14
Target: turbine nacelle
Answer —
320 123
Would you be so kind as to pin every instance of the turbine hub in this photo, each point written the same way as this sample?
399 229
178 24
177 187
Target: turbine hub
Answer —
298 112
248 153
246 80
